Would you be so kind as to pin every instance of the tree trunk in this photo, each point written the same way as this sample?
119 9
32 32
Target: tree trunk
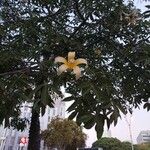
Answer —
34 132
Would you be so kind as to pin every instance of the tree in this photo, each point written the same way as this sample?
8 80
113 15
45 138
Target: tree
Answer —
63 134
34 32
127 146
143 146
108 144
113 144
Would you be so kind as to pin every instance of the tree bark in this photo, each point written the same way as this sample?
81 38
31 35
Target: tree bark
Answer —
34 132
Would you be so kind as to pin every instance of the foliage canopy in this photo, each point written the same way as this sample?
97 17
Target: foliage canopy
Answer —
34 32
113 144
63 133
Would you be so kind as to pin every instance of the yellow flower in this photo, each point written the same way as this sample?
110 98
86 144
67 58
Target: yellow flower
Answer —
70 64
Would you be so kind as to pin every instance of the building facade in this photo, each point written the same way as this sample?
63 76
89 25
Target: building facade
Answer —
143 137
11 139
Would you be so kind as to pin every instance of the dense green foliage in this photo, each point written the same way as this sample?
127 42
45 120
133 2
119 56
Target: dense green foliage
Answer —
144 146
113 144
34 32
127 146
108 144
63 134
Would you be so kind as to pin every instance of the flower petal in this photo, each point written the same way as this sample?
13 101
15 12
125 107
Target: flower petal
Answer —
62 68
80 61
71 55
77 72
60 59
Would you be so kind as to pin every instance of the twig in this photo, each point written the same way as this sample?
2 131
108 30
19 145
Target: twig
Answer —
17 71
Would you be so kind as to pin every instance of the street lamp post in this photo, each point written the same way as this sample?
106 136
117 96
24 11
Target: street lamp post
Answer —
130 130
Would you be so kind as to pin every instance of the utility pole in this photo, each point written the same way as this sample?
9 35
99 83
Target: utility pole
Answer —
130 130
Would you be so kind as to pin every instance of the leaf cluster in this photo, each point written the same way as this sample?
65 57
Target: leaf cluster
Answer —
112 144
34 32
63 133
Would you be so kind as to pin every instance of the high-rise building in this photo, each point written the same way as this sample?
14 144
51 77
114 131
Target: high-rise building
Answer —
10 139
50 113
143 137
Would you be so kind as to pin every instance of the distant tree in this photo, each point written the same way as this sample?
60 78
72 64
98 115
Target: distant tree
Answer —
63 134
127 146
114 144
143 146
108 144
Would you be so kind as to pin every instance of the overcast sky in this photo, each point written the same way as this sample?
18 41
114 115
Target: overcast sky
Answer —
140 120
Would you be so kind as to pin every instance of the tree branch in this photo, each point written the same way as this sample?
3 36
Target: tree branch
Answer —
17 71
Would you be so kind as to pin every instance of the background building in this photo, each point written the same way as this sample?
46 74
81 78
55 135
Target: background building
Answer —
11 139
50 113
143 137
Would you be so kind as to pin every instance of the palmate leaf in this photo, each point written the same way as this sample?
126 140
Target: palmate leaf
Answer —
118 105
88 87
82 117
45 97
114 116
73 115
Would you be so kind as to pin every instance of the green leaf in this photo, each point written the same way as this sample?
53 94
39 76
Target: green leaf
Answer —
56 90
85 118
122 108
68 99
33 92
99 127
89 124
95 90
114 117
72 115
147 105
108 123
86 91
44 95
72 107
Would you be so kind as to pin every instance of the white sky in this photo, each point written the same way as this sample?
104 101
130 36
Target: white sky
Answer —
140 120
